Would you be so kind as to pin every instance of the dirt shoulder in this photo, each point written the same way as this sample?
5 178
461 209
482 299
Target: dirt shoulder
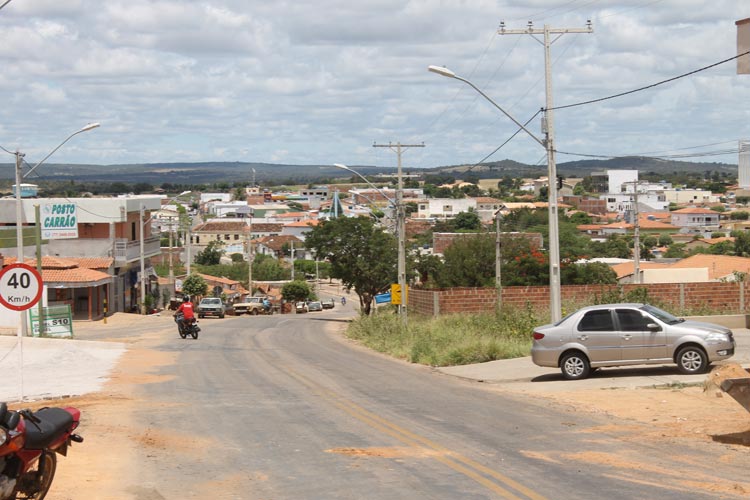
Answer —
103 466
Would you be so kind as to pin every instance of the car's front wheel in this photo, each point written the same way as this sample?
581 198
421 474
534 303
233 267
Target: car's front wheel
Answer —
692 360
575 366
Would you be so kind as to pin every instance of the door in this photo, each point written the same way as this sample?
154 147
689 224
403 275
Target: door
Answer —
638 341
597 332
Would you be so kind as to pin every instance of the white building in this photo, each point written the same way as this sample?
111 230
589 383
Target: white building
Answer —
744 165
444 208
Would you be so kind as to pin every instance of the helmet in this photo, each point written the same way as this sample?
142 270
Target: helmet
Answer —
186 298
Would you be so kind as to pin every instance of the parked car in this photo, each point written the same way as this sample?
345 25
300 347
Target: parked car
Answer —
211 306
328 303
251 305
628 334
314 306
300 307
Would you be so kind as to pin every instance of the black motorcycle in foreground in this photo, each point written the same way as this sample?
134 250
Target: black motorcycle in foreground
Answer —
187 327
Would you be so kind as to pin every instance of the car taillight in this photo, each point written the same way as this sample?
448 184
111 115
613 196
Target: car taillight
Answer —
538 336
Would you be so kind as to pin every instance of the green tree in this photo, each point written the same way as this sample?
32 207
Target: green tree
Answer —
194 286
741 243
427 266
267 268
362 256
211 255
739 215
468 261
579 218
592 273
675 250
295 291
237 257
467 221
665 240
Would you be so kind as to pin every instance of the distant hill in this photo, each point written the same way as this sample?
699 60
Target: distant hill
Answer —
213 172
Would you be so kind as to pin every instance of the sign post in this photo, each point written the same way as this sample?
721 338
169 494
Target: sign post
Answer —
20 288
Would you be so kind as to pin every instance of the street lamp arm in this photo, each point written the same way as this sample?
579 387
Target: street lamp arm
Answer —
450 74
344 167
84 129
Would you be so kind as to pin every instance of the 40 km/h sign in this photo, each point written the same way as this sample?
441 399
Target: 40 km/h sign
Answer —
20 287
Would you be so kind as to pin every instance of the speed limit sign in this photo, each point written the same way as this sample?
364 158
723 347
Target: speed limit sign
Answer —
20 287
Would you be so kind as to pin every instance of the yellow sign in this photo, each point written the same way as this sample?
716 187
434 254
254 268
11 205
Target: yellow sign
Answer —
396 294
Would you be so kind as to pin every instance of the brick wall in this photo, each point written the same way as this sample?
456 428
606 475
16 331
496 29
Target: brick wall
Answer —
727 298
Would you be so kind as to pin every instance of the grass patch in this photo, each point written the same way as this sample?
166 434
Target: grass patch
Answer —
457 339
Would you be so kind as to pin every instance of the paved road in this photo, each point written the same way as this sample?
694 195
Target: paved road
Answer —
280 407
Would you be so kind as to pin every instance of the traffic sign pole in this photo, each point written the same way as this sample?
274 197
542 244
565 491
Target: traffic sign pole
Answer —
20 288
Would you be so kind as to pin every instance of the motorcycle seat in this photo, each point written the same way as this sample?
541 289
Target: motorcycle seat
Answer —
54 421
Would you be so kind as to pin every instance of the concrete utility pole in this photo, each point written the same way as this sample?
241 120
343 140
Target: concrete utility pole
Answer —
401 223
636 237
549 142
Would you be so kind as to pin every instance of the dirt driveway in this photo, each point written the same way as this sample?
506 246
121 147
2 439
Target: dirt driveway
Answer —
100 468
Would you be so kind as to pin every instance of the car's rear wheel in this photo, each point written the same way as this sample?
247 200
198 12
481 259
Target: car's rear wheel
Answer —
254 312
692 360
221 316
575 365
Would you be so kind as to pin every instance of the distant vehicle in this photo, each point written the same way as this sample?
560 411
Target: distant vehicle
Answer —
314 306
300 307
628 334
250 305
328 303
211 306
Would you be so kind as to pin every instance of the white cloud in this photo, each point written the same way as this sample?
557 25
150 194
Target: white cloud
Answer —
319 82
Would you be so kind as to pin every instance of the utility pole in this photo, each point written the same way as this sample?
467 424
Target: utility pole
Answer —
400 223
292 250
636 236
250 257
498 262
548 130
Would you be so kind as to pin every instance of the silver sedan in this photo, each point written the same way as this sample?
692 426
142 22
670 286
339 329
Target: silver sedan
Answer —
628 334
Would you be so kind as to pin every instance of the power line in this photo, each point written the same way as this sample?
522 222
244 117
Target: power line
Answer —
652 85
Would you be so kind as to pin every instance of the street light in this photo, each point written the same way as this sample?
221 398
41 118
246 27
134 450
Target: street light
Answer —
143 249
554 239
19 204
401 235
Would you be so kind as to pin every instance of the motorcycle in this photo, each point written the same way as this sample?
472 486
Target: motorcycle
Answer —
29 442
186 327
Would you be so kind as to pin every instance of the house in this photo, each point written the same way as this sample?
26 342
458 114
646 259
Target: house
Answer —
276 246
299 228
444 208
696 268
81 283
695 219
108 227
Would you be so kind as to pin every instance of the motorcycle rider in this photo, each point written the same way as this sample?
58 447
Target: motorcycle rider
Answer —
187 311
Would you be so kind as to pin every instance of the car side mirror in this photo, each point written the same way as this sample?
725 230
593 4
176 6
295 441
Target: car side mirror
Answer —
653 327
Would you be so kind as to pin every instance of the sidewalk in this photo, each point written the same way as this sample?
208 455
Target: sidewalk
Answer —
55 368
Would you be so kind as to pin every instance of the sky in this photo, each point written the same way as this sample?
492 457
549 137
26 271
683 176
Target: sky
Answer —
318 83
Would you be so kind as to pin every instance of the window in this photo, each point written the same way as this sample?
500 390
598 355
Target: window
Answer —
447 208
226 237
596 321
632 320
132 232
236 236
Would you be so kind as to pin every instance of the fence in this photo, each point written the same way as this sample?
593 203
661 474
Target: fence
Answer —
679 298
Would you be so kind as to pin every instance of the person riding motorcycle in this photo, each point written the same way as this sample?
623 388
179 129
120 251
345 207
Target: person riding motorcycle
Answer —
186 310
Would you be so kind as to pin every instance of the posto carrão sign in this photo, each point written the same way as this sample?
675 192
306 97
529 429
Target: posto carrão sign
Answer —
59 221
